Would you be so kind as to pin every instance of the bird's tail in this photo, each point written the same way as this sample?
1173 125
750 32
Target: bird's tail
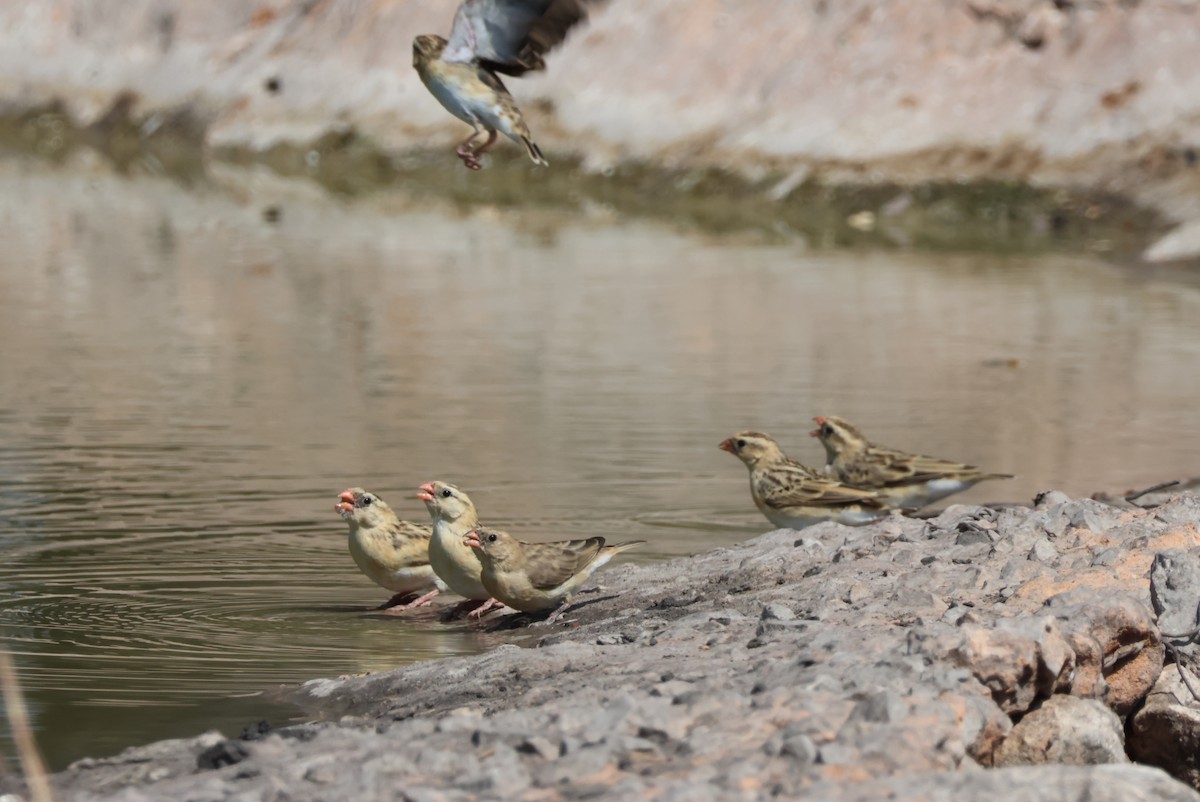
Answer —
535 153
617 548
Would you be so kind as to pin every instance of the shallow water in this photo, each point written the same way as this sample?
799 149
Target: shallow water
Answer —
190 376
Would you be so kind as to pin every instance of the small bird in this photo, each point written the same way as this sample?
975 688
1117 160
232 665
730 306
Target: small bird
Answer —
900 478
539 576
455 563
490 37
792 495
394 554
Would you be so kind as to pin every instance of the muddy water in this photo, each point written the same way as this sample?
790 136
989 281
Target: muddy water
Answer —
189 377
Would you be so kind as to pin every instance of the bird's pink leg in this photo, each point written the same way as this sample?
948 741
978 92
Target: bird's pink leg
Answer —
482 149
557 614
484 607
420 601
395 601
423 601
467 154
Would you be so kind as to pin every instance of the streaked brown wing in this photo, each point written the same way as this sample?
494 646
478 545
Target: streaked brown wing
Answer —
548 565
799 486
890 467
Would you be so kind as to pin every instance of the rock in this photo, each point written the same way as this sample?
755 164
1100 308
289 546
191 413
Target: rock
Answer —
1130 652
1166 731
1043 551
226 753
1018 661
1065 729
1107 783
1175 593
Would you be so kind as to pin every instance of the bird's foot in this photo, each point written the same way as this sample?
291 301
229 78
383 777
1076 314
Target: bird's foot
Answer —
393 605
396 601
557 614
484 146
470 161
478 612
469 156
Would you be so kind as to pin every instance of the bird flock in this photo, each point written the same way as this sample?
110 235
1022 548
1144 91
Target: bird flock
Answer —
860 482
489 568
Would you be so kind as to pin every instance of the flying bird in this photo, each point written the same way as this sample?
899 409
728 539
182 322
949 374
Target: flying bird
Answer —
394 554
490 37
901 478
792 495
531 577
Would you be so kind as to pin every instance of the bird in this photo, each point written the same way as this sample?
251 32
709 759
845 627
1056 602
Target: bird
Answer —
455 563
793 495
394 554
901 478
532 577
486 38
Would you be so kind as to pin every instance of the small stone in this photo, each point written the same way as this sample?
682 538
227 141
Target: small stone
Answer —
972 537
1166 731
881 708
1065 729
1043 551
320 775
1175 591
799 748
1050 498
777 612
226 753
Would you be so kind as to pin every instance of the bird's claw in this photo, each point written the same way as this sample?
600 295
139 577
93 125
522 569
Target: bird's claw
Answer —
469 160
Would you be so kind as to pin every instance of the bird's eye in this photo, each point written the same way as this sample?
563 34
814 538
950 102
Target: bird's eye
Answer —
447 492
827 430
365 501
492 538
741 443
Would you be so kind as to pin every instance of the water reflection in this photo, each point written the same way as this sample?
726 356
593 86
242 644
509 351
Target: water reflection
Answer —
187 383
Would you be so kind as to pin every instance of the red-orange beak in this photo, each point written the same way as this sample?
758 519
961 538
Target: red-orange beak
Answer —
727 445
817 432
425 492
472 539
345 501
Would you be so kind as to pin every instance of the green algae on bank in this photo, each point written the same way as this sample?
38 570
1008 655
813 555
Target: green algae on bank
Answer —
780 205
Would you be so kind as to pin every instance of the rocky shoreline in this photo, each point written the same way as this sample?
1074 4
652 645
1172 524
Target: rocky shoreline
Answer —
984 652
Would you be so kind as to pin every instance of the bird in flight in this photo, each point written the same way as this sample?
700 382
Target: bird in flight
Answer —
490 37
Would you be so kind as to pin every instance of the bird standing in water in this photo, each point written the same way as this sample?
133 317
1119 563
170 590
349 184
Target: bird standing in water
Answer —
394 554
490 37
538 576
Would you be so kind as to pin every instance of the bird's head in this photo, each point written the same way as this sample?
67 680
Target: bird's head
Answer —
838 436
752 447
361 507
427 47
491 544
445 501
